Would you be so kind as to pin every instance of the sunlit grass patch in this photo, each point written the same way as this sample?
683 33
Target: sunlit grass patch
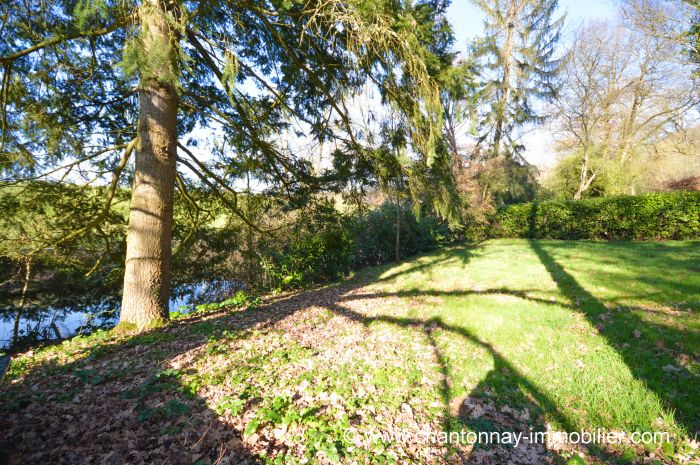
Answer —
502 336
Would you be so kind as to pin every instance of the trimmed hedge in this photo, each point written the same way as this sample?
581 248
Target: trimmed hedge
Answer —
672 215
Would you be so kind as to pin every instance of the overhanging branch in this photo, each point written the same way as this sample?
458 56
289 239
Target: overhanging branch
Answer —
57 39
107 206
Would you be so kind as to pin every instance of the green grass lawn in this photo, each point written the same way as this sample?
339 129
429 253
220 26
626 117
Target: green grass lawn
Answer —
505 335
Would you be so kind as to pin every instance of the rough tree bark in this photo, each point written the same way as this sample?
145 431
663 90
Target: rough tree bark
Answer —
148 246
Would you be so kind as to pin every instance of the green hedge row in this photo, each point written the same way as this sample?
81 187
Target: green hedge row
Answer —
672 215
327 245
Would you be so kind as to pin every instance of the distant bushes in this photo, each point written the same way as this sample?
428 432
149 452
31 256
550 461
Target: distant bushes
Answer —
674 215
310 258
328 244
374 235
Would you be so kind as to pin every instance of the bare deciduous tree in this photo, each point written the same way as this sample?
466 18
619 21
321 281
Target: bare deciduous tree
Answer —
625 89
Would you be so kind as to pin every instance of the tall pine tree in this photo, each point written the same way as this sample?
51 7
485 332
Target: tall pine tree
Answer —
87 84
518 66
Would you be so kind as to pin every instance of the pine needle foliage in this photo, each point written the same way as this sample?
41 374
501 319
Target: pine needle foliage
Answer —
519 67
245 71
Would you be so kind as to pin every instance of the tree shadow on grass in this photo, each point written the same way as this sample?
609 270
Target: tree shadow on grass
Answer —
642 344
422 263
118 400
121 402
486 409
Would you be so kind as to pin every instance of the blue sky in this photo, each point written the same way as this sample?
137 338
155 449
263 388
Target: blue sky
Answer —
467 21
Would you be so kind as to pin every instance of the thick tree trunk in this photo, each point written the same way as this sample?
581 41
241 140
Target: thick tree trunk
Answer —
148 245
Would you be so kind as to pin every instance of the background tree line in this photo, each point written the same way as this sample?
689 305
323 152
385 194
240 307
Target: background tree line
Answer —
167 141
626 117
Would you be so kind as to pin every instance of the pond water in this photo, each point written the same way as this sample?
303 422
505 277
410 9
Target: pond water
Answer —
48 322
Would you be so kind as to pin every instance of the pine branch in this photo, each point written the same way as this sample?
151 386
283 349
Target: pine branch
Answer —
55 40
202 168
112 189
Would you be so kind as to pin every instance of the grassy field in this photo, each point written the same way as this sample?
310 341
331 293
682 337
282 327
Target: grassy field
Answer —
507 335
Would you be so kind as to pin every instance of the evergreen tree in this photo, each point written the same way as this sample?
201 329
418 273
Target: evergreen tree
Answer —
75 71
518 66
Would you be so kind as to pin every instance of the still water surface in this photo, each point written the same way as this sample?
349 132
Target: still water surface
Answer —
47 322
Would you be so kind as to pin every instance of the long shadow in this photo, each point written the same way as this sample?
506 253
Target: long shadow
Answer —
91 421
119 403
637 341
459 252
420 266
474 411
523 294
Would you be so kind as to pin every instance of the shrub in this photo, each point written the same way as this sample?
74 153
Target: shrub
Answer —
328 245
317 249
309 258
674 215
375 235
